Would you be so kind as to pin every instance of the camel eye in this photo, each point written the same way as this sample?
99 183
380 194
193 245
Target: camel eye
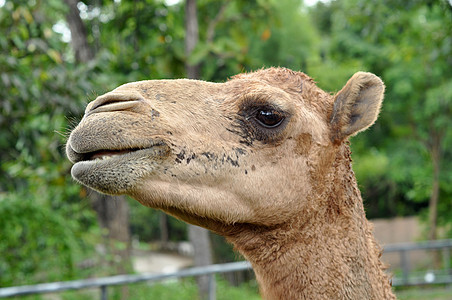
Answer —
269 118
258 119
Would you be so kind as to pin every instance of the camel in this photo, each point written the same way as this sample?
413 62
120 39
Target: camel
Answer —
262 159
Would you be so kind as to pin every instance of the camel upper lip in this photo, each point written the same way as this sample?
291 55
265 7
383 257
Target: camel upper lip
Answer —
75 156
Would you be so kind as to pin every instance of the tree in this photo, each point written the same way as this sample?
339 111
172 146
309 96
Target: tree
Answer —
411 51
403 163
427 89
82 50
112 211
199 237
39 202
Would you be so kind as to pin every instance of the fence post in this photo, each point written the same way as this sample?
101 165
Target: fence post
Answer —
103 292
405 266
446 260
212 290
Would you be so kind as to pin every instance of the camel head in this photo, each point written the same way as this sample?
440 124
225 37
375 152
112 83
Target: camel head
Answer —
246 151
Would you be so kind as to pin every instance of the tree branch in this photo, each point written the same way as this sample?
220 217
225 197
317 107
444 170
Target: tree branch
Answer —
213 23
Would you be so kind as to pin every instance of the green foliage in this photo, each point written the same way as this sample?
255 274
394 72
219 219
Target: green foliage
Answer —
282 43
43 92
411 50
227 32
145 224
223 251
42 214
33 233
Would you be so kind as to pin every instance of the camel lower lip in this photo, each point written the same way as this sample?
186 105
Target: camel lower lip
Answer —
111 172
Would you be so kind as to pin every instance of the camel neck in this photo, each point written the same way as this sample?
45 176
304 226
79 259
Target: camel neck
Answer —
328 253
308 262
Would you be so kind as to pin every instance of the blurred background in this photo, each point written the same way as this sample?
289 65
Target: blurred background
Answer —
57 55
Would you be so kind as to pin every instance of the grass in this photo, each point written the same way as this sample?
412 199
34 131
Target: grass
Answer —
186 289
424 293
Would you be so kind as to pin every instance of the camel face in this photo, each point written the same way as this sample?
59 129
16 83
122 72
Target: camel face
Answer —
249 150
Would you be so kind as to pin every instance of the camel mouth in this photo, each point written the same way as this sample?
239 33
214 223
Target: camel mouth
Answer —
156 149
106 154
116 171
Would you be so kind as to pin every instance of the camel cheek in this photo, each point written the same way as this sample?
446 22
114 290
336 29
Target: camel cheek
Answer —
304 143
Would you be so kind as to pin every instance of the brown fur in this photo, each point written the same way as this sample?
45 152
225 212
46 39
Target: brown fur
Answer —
286 197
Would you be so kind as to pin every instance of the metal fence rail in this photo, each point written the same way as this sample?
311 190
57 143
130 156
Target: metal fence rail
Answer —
443 276
410 278
104 282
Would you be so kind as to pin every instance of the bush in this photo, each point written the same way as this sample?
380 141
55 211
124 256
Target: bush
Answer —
38 243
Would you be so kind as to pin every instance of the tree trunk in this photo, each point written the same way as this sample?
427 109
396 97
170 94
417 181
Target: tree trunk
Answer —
113 215
435 151
200 239
82 50
198 236
191 37
112 211
164 234
433 203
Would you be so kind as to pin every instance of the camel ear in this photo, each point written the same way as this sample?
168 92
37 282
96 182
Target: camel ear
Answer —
357 105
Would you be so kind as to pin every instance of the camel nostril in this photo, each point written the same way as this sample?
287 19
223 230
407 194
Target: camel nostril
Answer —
113 101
